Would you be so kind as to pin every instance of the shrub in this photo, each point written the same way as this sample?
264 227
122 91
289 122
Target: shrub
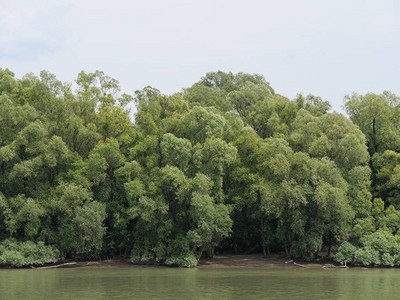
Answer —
346 253
382 241
20 254
188 261
143 258
388 259
367 256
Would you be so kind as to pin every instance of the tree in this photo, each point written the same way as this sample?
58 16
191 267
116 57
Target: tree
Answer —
83 234
248 95
200 95
378 118
201 123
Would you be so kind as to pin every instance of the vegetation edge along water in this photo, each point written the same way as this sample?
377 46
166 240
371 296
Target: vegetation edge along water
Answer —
226 165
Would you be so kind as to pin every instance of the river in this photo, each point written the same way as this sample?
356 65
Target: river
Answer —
175 283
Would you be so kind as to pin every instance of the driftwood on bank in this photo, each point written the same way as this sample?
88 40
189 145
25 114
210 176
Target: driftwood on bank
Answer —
289 261
57 266
330 266
299 265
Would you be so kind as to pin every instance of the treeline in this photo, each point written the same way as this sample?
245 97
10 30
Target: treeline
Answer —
226 165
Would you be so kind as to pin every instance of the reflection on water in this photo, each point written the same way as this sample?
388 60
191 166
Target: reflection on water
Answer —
174 283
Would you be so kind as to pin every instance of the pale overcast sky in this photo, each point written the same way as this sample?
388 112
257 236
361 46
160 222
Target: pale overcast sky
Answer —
327 48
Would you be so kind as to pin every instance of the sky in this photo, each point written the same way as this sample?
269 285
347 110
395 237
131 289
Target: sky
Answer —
326 48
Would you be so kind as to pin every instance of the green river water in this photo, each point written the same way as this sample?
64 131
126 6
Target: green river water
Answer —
174 283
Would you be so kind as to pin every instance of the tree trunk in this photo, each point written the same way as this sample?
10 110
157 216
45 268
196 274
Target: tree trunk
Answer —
262 236
291 244
264 251
235 246
374 135
211 252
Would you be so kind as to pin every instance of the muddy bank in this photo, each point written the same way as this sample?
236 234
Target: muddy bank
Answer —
218 262
254 261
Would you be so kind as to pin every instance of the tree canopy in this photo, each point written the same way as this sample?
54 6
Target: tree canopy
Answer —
226 165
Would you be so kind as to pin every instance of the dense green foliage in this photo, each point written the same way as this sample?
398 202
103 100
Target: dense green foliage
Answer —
20 254
378 248
226 165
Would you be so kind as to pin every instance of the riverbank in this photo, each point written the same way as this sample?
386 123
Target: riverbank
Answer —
218 262
253 261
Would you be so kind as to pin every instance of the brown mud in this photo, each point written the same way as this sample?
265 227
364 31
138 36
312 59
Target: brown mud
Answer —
218 262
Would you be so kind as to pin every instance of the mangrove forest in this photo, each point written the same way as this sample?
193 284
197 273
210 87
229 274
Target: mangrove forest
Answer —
227 165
